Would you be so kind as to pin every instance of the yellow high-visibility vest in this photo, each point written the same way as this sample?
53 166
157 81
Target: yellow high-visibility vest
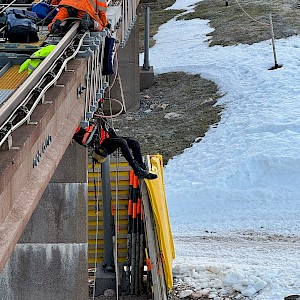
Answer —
31 63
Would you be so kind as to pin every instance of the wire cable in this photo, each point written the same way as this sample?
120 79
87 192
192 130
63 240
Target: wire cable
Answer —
262 23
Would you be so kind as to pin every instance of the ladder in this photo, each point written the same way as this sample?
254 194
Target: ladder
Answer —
151 259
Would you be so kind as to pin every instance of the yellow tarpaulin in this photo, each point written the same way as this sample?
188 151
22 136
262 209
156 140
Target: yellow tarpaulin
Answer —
157 195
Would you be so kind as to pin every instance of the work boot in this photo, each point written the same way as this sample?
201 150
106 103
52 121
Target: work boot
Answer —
143 166
141 173
150 175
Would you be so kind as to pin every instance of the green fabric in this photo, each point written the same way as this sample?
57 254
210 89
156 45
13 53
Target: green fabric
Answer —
32 63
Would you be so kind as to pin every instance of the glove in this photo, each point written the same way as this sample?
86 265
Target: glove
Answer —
55 29
87 23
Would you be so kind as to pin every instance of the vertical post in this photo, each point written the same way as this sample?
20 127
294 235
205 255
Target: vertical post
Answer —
146 39
273 44
107 217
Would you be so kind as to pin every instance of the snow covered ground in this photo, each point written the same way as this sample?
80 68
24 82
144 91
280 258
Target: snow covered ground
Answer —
234 197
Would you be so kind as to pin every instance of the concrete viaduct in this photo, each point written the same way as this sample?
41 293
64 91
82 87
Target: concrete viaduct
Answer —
43 207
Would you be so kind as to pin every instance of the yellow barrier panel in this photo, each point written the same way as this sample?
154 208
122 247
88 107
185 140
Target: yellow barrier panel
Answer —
157 195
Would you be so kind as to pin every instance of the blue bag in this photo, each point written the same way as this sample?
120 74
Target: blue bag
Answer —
107 68
44 11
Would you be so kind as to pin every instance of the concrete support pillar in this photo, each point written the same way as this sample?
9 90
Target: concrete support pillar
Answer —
147 78
50 260
128 70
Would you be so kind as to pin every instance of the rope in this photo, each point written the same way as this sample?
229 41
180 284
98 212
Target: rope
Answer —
122 95
111 115
110 85
110 107
116 70
121 86
262 23
230 29
97 226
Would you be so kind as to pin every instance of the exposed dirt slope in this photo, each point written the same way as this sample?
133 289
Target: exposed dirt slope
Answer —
174 112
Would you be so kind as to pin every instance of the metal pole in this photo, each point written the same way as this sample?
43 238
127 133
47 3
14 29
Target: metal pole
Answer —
273 44
107 217
147 37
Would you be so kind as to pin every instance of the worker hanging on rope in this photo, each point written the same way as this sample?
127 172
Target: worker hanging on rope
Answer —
91 12
105 141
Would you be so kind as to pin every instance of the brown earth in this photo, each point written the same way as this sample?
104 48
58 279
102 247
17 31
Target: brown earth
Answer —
190 96
174 112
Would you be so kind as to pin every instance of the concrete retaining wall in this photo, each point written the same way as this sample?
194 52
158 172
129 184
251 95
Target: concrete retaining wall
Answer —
50 261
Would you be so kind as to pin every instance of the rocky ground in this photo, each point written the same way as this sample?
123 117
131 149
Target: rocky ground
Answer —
179 108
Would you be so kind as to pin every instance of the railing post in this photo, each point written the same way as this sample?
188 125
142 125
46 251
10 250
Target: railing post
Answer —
276 65
146 65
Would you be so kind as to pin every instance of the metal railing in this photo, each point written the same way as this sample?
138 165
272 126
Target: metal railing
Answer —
129 16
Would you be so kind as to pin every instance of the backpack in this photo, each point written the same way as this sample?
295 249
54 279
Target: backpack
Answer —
21 26
85 136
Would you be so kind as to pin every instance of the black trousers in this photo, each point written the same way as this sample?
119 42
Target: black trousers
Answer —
125 144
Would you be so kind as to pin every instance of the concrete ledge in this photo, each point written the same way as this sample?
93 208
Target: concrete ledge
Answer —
147 78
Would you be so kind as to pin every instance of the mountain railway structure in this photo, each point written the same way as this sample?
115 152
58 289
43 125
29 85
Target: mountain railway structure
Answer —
65 220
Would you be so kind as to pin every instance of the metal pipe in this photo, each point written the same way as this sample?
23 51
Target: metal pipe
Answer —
273 40
147 38
107 217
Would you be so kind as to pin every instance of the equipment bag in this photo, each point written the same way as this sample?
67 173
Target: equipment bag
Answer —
21 26
85 136
107 57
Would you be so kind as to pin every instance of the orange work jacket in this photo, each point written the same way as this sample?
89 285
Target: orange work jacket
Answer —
95 8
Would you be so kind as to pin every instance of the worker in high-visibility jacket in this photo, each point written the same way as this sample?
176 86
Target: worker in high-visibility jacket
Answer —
105 141
91 12
31 63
